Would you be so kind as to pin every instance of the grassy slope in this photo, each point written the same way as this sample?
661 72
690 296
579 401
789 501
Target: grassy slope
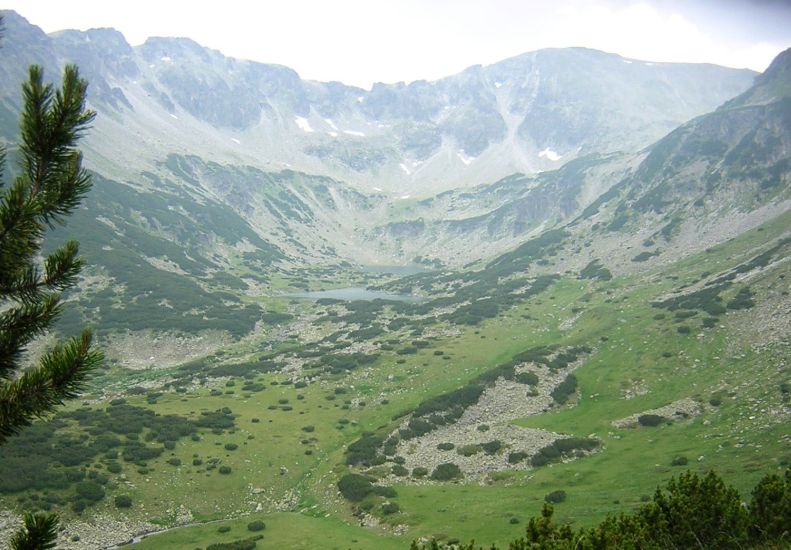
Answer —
738 438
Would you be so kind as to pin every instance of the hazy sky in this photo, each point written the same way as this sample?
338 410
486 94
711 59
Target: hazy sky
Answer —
364 41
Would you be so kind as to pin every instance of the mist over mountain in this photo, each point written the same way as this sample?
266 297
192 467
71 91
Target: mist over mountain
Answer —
529 113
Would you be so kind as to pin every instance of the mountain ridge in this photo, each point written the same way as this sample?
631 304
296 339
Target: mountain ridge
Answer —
478 125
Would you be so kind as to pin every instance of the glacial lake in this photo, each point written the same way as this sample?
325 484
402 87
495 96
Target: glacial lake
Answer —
354 293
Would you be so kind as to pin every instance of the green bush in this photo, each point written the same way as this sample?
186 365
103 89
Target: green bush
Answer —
241 544
89 491
529 378
224 470
650 420
469 450
256 526
390 508
355 487
446 472
690 512
561 448
445 446
555 497
123 501
679 461
492 447
384 491
517 457
419 471
565 389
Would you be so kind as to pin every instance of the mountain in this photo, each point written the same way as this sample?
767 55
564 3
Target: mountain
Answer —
713 178
197 160
532 112
709 180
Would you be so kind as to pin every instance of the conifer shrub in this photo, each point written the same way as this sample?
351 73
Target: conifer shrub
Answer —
516 457
446 472
90 491
384 491
256 526
529 378
355 487
492 447
469 450
389 508
555 497
123 501
650 420
690 512
565 389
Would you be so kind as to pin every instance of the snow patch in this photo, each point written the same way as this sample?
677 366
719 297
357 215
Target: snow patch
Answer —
360 98
550 154
648 64
331 123
166 59
173 116
332 134
404 197
377 189
303 124
354 133
405 168
626 61
464 158
498 84
236 141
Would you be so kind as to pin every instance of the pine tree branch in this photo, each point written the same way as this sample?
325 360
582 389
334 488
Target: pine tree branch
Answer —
56 121
20 228
40 532
20 325
60 272
60 375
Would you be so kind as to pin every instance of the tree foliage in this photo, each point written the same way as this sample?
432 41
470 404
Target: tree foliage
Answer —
39 533
49 185
691 512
